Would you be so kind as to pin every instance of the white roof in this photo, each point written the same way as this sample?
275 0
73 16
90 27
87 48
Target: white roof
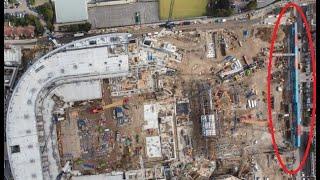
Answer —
79 91
153 146
71 10
208 125
12 56
21 121
151 116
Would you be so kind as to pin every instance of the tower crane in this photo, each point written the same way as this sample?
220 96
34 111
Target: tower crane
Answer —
255 122
169 24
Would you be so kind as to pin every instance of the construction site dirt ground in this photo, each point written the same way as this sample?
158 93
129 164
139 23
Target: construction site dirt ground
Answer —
196 65
118 155
195 68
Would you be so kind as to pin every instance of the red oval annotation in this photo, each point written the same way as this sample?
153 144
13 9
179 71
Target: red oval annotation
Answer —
312 124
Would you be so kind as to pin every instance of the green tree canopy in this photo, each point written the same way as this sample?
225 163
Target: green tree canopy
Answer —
220 8
252 5
47 11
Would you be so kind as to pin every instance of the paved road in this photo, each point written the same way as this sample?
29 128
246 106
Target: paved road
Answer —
145 30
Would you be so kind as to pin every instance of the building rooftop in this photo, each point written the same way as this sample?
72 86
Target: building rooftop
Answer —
79 91
10 74
123 15
208 125
71 11
151 116
12 56
27 32
153 146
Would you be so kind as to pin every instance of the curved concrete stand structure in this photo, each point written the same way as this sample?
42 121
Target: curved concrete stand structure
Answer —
80 60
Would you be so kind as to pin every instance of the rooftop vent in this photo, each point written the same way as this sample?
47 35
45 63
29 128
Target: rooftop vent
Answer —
29 102
15 149
28 131
32 160
75 66
30 146
26 116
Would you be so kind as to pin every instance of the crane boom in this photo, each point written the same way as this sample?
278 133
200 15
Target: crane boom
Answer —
108 106
256 122
115 104
171 10
169 24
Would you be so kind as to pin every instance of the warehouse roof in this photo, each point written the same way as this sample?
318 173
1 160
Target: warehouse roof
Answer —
71 10
79 91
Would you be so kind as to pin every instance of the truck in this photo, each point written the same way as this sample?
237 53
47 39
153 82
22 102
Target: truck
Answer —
220 20
240 43
54 41
78 34
61 118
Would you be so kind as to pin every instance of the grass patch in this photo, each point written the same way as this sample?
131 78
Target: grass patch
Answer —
183 8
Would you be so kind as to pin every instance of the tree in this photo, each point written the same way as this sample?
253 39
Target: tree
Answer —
32 2
46 10
12 1
34 21
39 28
219 8
77 27
252 5
85 27
73 28
50 26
